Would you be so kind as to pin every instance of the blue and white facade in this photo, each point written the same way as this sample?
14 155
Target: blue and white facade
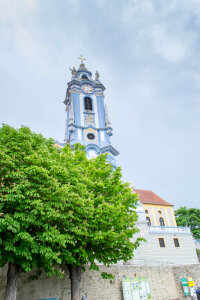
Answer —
87 117
88 124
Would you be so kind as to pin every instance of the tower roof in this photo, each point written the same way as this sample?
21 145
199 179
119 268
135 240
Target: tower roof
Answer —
83 76
149 197
82 66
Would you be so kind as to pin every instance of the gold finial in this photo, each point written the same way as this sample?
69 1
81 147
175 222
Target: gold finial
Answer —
81 58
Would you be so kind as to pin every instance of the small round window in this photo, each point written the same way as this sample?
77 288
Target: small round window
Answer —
90 136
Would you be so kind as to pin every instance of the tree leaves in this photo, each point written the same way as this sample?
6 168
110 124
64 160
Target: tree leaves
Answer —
189 217
29 197
58 207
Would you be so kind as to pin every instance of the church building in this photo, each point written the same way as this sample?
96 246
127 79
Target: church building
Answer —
88 123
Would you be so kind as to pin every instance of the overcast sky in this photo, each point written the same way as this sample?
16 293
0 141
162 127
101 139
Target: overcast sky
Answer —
147 53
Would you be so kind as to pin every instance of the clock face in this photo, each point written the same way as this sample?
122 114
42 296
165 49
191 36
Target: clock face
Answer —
87 88
91 136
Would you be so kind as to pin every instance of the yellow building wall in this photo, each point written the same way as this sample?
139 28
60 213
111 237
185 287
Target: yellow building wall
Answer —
155 212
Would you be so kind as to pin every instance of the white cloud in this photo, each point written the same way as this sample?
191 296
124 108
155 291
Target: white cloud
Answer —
168 47
14 11
166 28
14 16
135 9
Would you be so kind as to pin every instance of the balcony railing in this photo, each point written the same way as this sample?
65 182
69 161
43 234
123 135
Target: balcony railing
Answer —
169 229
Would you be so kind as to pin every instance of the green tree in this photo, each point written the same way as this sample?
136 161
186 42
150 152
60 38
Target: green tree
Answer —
102 214
30 205
58 208
189 217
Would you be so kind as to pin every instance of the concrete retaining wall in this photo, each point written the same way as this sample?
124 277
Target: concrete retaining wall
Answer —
164 283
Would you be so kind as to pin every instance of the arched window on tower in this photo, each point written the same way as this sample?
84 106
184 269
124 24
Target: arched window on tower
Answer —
84 77
88 104
162 222
148 221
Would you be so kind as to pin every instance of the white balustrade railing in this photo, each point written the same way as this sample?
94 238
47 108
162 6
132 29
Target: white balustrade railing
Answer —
169 229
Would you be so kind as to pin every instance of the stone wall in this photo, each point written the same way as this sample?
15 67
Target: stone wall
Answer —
164 283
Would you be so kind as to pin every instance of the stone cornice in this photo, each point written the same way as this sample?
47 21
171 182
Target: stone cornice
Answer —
109 148
99 93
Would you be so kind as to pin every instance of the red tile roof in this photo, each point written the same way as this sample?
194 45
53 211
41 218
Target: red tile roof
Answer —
148 197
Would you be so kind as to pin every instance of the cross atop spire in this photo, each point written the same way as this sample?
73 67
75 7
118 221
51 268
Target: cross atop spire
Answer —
82 59
82 65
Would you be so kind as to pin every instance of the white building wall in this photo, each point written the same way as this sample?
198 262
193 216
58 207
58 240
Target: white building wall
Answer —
150 252
185 254
143 254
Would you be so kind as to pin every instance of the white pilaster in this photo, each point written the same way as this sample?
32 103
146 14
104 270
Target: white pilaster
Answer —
81 110
79 134
96 112
102 136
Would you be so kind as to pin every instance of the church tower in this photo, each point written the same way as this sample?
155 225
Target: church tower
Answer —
87 116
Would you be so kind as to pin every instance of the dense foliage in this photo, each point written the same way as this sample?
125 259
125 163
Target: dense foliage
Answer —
189 217
29 201
59 208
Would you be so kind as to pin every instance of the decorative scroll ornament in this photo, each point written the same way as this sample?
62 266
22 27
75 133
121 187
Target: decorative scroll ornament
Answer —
89 118
71 113
71 123
67 99
75 90
99 93
108 124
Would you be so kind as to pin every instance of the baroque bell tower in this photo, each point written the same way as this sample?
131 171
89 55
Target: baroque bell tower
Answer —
87 116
